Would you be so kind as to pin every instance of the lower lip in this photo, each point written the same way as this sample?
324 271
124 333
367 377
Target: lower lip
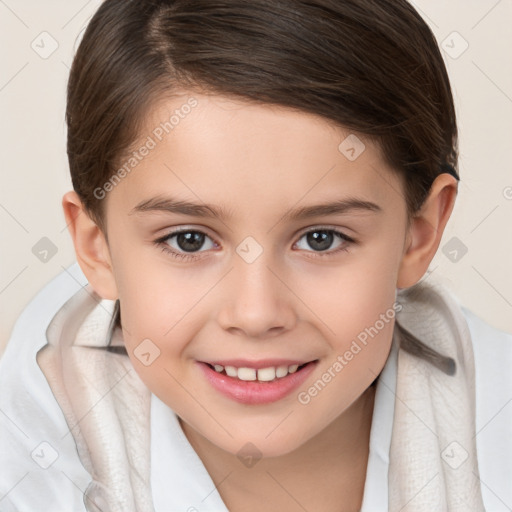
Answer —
254 392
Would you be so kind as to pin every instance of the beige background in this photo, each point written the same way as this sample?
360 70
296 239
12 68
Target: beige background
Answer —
34 170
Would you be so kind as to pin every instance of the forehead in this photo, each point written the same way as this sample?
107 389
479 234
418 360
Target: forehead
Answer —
232 153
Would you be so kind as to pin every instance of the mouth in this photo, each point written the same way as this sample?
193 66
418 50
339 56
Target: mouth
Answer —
255 383
264 374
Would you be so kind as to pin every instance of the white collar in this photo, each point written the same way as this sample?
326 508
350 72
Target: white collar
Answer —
178 475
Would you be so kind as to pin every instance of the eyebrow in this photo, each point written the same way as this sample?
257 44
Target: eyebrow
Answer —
171 205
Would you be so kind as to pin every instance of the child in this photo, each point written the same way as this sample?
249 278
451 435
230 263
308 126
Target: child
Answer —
259 188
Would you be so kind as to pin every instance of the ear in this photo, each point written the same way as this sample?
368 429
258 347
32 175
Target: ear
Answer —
91 248
426 229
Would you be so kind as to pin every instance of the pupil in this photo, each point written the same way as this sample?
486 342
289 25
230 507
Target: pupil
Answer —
190 241
322 240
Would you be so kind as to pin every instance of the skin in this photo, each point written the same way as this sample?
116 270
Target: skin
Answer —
293 301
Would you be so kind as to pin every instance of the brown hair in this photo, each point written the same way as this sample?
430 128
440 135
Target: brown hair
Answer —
372 66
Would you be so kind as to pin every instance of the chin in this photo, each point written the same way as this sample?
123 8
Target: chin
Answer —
254 444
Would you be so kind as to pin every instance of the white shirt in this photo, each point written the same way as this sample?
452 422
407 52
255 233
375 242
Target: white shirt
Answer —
40 469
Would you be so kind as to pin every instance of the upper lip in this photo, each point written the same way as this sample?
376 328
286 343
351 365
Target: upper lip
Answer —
260 363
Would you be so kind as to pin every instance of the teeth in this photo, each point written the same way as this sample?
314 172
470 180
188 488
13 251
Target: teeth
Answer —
266 374
246 373
263 374
281 371
231 371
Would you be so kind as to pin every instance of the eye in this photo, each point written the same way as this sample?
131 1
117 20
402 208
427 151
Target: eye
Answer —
179 243
321 239
185 243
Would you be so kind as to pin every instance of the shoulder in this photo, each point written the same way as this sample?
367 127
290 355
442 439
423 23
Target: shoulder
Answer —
492 350
483 332
38 458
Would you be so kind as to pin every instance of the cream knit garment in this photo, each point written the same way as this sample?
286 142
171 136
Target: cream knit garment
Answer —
433 465
106 405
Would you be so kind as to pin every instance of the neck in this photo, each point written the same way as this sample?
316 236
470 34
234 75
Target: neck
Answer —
328 470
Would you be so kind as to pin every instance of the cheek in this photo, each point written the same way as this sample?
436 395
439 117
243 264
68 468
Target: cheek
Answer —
156 297
159 316
360 335
353 296
363 329
358 309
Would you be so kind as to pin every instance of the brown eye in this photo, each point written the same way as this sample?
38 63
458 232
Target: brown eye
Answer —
319 240
322 239
183 244
190 241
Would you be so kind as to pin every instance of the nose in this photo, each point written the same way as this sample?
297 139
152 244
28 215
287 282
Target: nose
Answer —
260 303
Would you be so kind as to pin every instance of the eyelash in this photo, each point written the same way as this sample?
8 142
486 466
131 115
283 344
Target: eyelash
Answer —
161 242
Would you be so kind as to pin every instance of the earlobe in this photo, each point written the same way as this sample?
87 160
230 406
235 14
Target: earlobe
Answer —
426 229
91 248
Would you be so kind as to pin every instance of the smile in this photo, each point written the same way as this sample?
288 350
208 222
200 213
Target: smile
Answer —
256 383
262 374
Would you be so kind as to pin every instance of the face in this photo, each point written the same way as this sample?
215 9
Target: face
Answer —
256 281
